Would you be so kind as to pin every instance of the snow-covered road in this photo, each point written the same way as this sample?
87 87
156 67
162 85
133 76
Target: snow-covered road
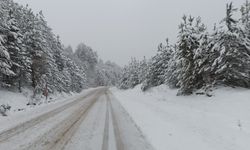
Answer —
92 121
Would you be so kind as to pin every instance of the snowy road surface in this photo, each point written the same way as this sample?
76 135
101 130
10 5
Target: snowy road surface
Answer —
93 121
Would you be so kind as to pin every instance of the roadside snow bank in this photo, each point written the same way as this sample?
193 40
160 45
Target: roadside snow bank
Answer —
221 122
30 112
17 101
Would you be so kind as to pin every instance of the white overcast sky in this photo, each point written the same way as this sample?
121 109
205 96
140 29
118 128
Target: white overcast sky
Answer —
121 29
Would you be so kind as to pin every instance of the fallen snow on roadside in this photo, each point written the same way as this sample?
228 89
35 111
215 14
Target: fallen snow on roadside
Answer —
221 122
19 101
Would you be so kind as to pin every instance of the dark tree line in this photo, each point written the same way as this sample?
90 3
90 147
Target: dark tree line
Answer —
199 59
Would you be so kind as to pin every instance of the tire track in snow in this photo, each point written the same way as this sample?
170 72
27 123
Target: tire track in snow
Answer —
7 134
57 137
117 130
105 144
128 135
89 135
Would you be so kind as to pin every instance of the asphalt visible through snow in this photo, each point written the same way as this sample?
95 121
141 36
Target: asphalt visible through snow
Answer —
93 121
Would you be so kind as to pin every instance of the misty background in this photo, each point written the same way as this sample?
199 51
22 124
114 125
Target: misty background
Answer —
121 29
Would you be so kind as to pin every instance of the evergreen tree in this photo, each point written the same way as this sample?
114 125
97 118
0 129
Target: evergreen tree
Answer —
173 71
108 73
158 67
187 43
245 13
18 53
143 69
5 62
231 66
204 57
130 75
88 59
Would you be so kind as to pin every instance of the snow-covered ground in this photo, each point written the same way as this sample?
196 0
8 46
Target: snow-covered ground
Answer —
221 122
18 101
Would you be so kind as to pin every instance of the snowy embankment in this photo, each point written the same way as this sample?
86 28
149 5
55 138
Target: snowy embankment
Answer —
221 122
18 101
21 113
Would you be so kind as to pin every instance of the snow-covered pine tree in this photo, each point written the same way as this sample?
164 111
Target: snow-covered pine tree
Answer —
123 83
173 70
204 57
231 66
143 69
68 51
64 76
5 61
245 13
49 46
130 75
158 67
108 73
18 53
58 54
36 45
87 58
77 76
245 28
134 75
187 44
